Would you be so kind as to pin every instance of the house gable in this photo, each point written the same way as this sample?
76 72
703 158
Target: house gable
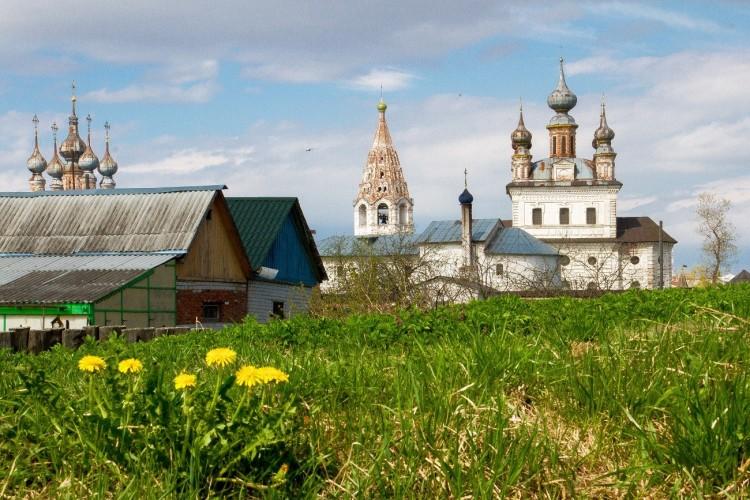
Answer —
216 252
289 255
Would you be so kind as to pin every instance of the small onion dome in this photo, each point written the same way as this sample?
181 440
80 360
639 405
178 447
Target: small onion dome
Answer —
88 161
108 165
521 135
36 162
382 106
465 198
55 167
562 99
603 133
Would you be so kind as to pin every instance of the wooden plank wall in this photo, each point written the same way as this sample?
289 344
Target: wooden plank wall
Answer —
214 255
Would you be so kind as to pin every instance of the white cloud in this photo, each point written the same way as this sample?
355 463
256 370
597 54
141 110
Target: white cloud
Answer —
285 40
387 79
154 92
628 203
647 12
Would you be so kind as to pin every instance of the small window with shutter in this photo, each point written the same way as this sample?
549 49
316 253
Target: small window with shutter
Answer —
564 216
536 216
591 215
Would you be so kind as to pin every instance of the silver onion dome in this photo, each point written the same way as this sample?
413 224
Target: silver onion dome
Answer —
55 167
36 162
520 137
562 99
603 133
88 161
108 165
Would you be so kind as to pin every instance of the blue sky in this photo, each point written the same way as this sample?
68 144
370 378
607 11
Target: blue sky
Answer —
235 92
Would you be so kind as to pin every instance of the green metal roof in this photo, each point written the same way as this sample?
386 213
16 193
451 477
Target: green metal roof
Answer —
259 220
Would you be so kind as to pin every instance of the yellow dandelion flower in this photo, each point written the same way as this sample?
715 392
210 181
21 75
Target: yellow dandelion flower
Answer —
91 364
221 357
184 381
130 365
248 376
270 374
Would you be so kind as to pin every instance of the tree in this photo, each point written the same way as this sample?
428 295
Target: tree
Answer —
718 233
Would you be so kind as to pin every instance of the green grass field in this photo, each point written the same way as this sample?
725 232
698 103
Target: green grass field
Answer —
634 394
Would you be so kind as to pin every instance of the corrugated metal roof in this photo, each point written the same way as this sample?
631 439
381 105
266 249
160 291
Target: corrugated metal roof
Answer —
54 287
394 244
113 192
515 241
447 231
14 267
101 221
259 221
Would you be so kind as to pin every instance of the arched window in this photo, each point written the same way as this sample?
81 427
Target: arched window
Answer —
403 214
382 213
362 215
554 145
563 146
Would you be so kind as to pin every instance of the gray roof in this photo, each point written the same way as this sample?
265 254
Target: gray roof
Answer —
742 277
59 279
394 244
515 241
448 231
102 221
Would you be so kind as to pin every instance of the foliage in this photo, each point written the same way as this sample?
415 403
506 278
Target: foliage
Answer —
643 393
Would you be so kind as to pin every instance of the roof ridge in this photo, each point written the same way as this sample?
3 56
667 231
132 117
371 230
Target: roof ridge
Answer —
113 192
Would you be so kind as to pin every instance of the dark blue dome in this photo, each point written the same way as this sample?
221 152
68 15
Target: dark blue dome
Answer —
465 198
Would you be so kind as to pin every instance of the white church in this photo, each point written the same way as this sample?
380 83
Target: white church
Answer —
564 232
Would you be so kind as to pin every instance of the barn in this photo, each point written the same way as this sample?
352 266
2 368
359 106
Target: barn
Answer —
134 257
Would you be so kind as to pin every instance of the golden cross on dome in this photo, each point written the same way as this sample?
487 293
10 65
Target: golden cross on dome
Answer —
466 181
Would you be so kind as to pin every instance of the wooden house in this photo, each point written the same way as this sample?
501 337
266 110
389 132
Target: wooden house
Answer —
281 248
138 257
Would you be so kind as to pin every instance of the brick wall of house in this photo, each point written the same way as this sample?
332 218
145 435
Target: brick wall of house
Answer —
232 305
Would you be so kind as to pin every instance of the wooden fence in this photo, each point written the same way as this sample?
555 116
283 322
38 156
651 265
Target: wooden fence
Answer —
36 341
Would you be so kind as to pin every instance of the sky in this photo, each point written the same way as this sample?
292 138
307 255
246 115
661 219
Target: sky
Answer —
235 92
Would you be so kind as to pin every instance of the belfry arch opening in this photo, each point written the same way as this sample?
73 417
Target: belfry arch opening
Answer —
382 214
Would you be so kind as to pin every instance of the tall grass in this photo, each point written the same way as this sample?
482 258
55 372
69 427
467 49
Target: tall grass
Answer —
642 393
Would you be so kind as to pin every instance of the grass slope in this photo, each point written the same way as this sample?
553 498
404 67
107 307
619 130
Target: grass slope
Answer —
634 394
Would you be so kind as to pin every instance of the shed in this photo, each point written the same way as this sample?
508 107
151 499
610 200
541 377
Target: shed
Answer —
281 247
142 257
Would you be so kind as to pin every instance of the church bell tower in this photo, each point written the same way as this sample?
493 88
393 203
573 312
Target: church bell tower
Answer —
383 205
